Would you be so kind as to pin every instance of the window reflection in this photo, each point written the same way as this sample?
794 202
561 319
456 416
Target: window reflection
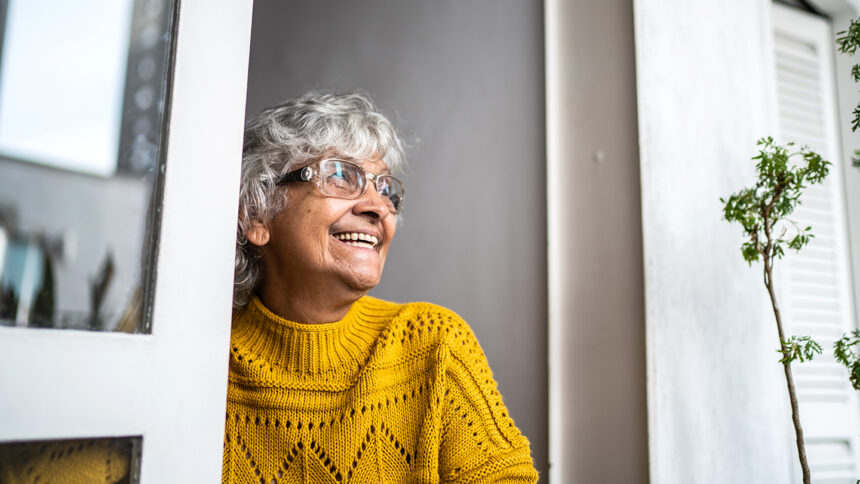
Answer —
82 95
111 460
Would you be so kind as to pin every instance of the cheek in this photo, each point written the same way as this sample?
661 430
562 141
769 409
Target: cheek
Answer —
391 226
302 236
390 229
314 220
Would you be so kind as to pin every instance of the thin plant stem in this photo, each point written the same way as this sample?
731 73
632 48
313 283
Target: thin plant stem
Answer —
789 380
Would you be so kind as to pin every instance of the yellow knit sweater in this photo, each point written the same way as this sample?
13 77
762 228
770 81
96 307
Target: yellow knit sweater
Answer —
391 393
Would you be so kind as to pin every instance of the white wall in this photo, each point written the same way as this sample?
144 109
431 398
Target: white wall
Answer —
717 404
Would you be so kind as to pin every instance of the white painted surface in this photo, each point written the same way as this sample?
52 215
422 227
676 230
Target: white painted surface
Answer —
557 469
815 284
717 404
170 386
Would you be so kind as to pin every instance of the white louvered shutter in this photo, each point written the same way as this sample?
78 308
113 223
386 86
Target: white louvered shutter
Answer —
815 284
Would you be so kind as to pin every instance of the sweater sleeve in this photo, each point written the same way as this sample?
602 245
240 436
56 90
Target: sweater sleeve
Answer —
480 442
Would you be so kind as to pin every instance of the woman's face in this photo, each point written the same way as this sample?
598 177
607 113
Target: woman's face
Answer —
311 241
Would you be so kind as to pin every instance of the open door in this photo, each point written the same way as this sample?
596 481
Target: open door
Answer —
117 225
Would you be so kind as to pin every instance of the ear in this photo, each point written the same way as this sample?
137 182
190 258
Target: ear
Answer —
257 234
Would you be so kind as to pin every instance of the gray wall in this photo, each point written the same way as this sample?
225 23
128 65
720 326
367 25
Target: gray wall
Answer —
464 81
717 403
598 417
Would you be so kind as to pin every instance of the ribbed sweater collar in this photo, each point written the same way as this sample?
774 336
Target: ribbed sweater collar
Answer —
302 349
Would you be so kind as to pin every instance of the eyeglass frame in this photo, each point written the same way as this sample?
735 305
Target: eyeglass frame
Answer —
307 173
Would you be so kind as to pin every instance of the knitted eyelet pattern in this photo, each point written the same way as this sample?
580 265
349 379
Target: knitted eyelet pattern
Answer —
391 393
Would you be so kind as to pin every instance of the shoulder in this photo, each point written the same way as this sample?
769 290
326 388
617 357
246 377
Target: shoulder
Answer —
423 324
423 335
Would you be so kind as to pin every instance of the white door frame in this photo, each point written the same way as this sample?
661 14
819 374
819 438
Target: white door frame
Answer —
170 386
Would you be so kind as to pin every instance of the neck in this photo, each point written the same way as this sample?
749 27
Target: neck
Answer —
308 302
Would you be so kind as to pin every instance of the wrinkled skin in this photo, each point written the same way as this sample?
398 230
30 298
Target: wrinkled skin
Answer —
308 274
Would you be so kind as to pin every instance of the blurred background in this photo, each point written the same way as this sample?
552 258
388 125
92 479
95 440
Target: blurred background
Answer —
564 170
464 85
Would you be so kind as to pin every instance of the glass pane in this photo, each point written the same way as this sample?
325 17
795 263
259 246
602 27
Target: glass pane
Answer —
110 460
83 88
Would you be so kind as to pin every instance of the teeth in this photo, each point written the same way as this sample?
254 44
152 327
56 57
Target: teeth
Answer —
357 239
360 244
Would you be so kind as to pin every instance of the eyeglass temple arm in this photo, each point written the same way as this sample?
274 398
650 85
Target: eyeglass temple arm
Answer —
300 175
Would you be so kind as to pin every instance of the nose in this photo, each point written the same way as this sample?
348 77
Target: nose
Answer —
371 204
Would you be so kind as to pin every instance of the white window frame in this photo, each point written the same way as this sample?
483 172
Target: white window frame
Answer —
823 423
170 386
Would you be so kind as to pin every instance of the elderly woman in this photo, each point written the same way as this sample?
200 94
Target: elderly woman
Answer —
328 384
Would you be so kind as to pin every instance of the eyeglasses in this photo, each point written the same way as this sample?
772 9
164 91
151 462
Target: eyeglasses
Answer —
344 179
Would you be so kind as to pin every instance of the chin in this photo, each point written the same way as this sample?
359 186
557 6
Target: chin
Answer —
364 282
365 285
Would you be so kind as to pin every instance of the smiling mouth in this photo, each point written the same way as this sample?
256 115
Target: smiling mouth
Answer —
357 239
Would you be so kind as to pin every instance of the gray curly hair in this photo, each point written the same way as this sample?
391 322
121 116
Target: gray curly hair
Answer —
293 134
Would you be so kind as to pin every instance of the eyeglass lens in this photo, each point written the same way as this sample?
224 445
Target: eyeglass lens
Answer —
346 180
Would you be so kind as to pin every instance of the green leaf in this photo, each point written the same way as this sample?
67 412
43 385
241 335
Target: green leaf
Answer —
749 252
848 40
781 178
843 351
801 348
